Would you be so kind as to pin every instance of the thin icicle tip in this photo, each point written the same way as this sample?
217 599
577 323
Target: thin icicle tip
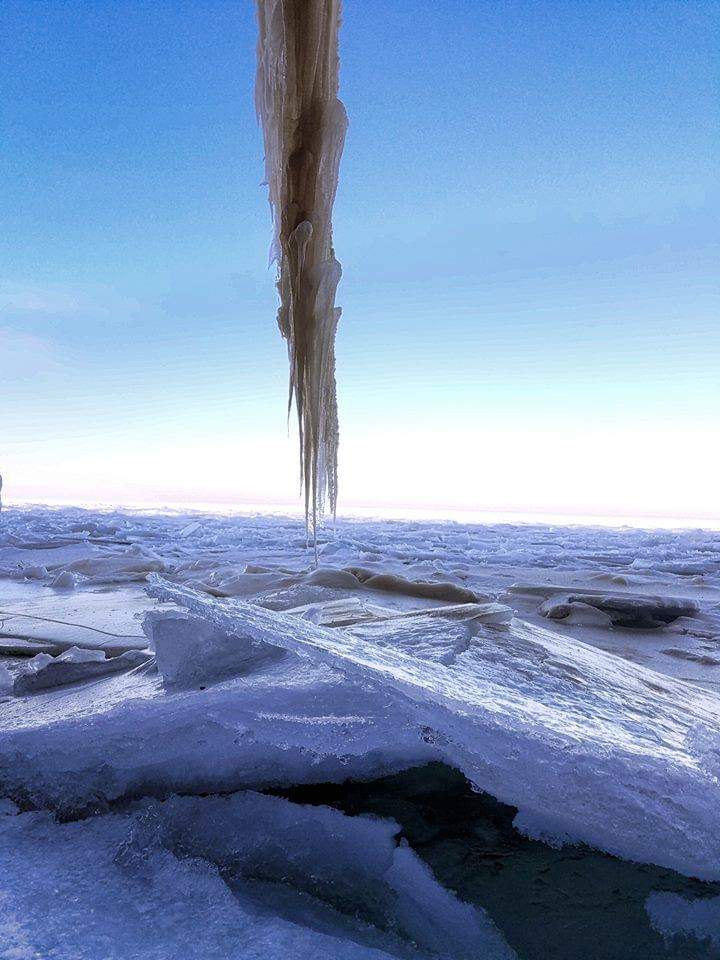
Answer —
304 124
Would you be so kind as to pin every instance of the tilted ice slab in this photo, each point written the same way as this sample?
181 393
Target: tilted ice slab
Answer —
589 747
231 878
220 724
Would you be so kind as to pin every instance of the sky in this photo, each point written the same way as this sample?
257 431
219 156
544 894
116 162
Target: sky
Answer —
527 221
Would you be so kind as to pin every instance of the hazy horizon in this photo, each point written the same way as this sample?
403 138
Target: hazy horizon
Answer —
426 513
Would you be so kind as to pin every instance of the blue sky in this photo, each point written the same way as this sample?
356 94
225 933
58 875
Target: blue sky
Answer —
527 221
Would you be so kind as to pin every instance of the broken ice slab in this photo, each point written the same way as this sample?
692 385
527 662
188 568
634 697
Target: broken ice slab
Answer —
294 721
62 635
190 529
34 620
192 652
491 613
341 612
441 634
588 746
351 610
16 647
73 666
574 613
243 877
639 611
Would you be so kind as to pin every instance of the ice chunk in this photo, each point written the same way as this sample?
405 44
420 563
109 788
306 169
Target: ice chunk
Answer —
580 614
351 610
673 915
288 721
191 651
70 890
38 663
430 589
640 611
64 580
430 638
131 565
491 614
81 655
353 864
329 577
192 528
53 623
248 584
45 671
340 613
298 595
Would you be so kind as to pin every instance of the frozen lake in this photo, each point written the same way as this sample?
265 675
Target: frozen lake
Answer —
531 710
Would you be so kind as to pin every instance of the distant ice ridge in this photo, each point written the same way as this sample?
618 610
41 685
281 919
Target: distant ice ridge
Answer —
246 877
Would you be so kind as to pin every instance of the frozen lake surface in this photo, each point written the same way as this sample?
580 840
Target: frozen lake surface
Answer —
443 740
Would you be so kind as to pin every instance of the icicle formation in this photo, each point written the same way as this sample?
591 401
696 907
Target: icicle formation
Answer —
304 127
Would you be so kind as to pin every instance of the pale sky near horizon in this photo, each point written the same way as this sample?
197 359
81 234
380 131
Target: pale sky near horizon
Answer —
528 226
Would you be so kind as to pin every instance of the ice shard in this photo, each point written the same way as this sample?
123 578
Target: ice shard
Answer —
304 126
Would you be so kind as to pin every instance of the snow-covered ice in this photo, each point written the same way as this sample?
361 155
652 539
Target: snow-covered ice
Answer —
571 673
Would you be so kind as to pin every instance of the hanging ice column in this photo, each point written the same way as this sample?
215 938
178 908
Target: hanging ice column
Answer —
304 127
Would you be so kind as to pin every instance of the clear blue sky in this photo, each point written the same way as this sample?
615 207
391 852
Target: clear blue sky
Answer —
527 222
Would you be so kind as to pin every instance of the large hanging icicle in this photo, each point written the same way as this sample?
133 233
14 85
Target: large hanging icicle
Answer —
304 127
